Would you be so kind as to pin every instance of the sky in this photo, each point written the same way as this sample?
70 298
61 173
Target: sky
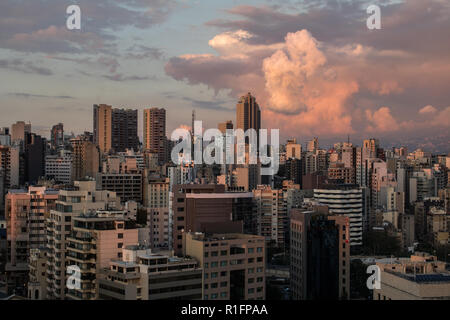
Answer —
313 66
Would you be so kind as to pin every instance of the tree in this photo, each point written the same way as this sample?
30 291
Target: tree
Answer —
358 279
381 243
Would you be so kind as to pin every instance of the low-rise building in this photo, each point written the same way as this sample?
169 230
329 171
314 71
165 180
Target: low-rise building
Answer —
420 277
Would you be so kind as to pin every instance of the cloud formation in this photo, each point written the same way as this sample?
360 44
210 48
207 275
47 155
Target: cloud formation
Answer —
24 66
40 25
345 80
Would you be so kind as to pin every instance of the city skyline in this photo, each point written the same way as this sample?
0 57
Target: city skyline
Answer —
343 86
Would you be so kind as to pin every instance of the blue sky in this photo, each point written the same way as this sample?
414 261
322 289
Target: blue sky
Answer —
34 97
144 53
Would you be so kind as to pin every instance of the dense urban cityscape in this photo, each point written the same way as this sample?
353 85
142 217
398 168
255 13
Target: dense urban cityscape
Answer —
215 158
133 225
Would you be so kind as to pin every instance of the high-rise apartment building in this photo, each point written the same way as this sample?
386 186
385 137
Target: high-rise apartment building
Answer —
103 127
156 193
26 212
57 136
127 186
208 208
71 202
293 170
156 200
37 282
155 132
233 264
115 129
5 137
313 145
272 218
346 200
85 158
95 239
293 149
370 148
124 130
320 255
348 156
9 163
339 173
18 131
145 275
59 167
34 158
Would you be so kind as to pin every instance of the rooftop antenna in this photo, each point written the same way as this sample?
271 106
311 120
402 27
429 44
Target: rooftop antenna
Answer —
192 135
348 138
193 120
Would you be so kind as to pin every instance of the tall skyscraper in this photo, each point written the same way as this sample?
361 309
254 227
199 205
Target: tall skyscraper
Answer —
124 130
248 114
103 127
155 132
115 129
